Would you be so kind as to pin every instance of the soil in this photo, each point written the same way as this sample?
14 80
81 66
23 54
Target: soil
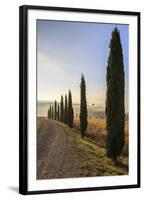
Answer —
55 156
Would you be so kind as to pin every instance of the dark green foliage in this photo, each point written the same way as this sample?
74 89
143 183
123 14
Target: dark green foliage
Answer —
48 114
65 110
58 113
83 108
61 110
55 110
52 113
115 111
70 112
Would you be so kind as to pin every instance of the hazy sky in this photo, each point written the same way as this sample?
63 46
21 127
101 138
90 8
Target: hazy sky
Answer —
65 50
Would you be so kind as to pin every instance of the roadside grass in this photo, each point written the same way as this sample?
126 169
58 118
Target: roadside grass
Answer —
39 123
96 132
92 157
94 161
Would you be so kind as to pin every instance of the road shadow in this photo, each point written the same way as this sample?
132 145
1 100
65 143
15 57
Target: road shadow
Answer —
14 189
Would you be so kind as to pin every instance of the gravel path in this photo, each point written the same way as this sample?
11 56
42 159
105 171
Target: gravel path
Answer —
55 156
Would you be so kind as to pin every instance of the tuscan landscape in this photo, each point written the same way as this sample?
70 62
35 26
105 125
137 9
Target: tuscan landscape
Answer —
80 134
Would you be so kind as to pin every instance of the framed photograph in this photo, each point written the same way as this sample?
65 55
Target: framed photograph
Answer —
79 99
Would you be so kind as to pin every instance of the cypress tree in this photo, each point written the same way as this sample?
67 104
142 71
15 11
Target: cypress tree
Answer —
48 114
58 114
70 113
83 108
55 105
115 111
65 110
62 110
52 113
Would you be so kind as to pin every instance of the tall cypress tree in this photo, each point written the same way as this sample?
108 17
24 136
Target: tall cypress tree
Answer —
115 111
83 108
55 110
65 110
70 113
48 114
61 110
52 113
58 113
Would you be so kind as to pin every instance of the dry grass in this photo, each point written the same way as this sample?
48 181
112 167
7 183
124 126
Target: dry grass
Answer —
39 125
96 132
93 159
87 155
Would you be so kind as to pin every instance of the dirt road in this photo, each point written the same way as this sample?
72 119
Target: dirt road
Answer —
61 153
55 157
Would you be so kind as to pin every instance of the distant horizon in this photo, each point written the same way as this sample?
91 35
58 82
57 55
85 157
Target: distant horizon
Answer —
103 107
49 101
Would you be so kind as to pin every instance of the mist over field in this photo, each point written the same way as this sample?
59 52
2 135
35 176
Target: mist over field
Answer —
93 111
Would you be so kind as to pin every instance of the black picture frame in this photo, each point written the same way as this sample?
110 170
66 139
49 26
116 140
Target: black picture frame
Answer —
23 96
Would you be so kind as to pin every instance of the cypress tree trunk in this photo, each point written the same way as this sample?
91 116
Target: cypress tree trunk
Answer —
83 108
115 111
61 110
65 115
70 114
55 104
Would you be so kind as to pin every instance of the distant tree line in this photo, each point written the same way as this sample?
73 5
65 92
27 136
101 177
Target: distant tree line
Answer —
64 112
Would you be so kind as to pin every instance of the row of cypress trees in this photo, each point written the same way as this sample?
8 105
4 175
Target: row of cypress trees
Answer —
115 111
62 111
